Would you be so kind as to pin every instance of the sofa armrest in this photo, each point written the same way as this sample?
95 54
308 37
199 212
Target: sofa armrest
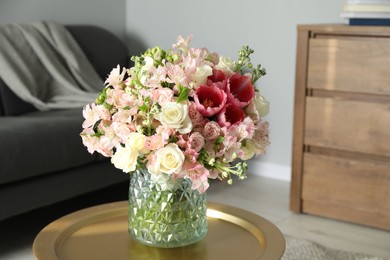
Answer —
102 48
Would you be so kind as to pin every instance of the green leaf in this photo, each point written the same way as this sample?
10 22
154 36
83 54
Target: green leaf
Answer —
183 94
143 108
173 139
219 140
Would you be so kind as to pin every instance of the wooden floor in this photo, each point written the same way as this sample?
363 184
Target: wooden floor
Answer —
266 197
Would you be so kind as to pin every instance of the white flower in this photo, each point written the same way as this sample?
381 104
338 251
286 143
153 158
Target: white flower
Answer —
200 76
125 158
169 160
145 71
137 142
249 150
262 104
175 115
227 65
258 107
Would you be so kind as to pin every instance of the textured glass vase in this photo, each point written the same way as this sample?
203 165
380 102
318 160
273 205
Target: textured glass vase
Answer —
164 212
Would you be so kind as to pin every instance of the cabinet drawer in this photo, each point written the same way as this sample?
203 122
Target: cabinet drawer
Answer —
349 125
349 64
347 189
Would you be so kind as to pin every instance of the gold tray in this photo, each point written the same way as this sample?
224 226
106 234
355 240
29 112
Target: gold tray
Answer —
100 232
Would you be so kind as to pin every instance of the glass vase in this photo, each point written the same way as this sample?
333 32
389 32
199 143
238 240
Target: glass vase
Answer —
164 212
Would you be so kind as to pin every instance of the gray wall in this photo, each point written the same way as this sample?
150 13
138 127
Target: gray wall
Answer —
107 14
224 26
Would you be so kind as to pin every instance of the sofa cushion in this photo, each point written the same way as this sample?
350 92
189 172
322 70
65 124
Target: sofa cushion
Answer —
10 104
40 143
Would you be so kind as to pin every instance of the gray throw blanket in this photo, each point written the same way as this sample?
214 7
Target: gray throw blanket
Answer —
43 65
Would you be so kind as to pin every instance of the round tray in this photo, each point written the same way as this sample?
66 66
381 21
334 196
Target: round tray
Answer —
100 232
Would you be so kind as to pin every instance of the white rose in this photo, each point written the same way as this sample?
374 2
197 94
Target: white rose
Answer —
169 160
125 158
175 115
137 142
200 76
262 104
227 65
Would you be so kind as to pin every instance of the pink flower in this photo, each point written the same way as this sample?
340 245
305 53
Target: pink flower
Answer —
153 142
233 152
261 138
182 141
198 175
240 90
93 113
211 131
157 76
197 119
191 155
123 116
177 75
210 150
109 140
120 98
243 130
182 44
214 174
164 133
91 142
230 115
115 78
210 100
121 130
162 95
196 141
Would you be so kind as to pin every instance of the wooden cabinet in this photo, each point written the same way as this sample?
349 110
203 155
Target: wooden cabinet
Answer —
341 139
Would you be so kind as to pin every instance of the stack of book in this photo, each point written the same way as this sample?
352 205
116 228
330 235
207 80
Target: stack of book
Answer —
366 12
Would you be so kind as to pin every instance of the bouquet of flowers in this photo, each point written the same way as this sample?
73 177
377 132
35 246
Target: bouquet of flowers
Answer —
180 113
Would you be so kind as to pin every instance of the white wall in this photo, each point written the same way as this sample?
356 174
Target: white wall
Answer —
269 27
107 14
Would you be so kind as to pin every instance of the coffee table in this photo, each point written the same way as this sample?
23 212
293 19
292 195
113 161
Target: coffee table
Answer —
100 232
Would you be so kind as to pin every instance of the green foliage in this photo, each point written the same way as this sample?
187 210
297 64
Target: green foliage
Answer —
244 64
183 94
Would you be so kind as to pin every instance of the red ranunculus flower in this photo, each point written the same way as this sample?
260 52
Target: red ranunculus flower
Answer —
209 100
240 90
217 76
230 115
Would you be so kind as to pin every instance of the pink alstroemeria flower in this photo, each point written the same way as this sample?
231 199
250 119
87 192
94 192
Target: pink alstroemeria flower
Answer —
240 90
198 175
210 100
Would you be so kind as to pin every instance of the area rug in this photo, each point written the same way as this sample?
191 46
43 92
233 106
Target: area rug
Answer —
300 249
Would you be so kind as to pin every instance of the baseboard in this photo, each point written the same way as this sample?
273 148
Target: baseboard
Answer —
270 170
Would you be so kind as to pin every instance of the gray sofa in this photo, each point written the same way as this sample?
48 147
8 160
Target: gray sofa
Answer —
42 159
